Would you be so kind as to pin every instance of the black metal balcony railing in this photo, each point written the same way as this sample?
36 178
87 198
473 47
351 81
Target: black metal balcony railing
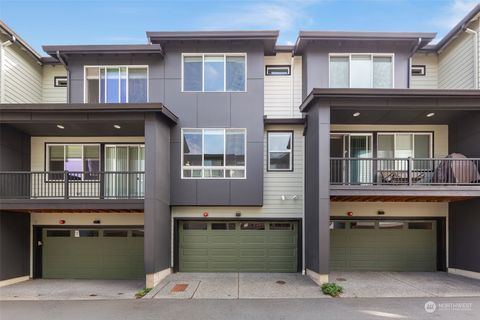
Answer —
72 185
405 171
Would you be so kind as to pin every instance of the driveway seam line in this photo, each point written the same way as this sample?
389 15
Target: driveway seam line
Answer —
411 285
195 291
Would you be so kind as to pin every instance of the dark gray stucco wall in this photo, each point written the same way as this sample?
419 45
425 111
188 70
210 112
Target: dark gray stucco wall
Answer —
464 216
157 221
317 190
14 149
14 244
316 57
217 110
199 110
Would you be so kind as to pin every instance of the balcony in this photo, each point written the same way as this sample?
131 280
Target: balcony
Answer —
67 190
400 179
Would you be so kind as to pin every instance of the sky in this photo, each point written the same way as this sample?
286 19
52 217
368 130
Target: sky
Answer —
50 22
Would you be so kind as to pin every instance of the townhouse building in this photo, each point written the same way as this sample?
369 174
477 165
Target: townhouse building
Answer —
222 151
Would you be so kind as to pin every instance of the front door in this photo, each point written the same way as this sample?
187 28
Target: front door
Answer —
355 149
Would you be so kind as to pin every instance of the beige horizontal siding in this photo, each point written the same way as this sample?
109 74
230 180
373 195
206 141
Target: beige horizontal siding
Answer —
391 209
456 64
21 77
275 185
50 93
283 94
430 79
440 133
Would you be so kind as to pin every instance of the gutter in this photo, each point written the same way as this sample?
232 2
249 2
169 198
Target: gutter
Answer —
475 60
65 64
415 48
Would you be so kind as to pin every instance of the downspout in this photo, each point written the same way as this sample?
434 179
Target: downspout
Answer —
410 61
4 45
475 61
65 64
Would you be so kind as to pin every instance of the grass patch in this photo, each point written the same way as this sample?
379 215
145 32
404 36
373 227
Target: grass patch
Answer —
141 293
332 289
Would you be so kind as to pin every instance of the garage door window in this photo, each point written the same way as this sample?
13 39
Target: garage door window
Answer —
137 233
337 225
253 226
390 225
87 233
195 226
362 225
421 225
58 233
115 233
223 226
281 226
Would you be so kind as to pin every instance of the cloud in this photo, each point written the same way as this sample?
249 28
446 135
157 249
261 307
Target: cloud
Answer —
279 15
451 14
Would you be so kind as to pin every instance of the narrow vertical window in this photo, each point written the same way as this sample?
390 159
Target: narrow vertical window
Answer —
192 73
382 72
214 74
235 73
280 151
339 72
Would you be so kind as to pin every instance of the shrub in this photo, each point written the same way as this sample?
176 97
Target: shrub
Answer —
142 293
332 289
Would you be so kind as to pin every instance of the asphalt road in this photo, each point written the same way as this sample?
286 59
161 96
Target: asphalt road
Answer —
298 309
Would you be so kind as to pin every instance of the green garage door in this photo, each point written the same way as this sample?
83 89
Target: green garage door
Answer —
229 246
92 254
383 245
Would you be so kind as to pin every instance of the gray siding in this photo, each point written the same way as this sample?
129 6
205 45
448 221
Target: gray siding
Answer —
21 76
14 149
316 57
14 245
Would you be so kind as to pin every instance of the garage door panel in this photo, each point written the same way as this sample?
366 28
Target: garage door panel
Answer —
246 246
382 249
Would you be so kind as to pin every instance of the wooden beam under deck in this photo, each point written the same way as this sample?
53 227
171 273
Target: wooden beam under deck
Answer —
397 198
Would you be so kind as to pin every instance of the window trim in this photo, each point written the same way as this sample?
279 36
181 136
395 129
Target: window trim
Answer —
292 134
47 158
224 54
202 167
274 66
423 69
135 66
413 133
56 80
371 54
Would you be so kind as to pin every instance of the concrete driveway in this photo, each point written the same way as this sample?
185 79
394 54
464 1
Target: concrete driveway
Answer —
405 284
296 286
52 289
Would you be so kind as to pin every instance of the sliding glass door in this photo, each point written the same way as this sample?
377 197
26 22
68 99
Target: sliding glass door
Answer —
124 167
357 148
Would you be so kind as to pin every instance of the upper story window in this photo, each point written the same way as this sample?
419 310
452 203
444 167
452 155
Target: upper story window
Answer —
60 82
214 153
82 161
214 72
280 146
361 71
116 84
277 70
419 70
404 145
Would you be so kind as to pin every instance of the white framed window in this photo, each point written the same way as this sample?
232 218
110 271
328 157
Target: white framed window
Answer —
273 70
280 151
116 84
214 72
214 153
361 70
60 82
82 161
419 70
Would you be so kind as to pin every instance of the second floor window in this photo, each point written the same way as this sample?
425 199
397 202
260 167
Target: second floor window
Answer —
361 71
116 84
213 153
280 151
82 161
214 72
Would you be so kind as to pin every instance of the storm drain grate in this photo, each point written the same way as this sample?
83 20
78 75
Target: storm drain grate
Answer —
181 287
280 282
341 279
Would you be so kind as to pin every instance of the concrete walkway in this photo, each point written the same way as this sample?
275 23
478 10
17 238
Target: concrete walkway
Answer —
294 285
63 289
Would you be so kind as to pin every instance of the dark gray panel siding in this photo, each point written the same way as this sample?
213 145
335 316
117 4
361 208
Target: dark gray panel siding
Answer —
464 235
464 216
316 57
14 149
217 110
14 244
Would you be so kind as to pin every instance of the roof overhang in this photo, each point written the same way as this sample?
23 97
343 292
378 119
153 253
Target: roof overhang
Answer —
54 50
394 98
15 38
414 39
459 27
268 37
